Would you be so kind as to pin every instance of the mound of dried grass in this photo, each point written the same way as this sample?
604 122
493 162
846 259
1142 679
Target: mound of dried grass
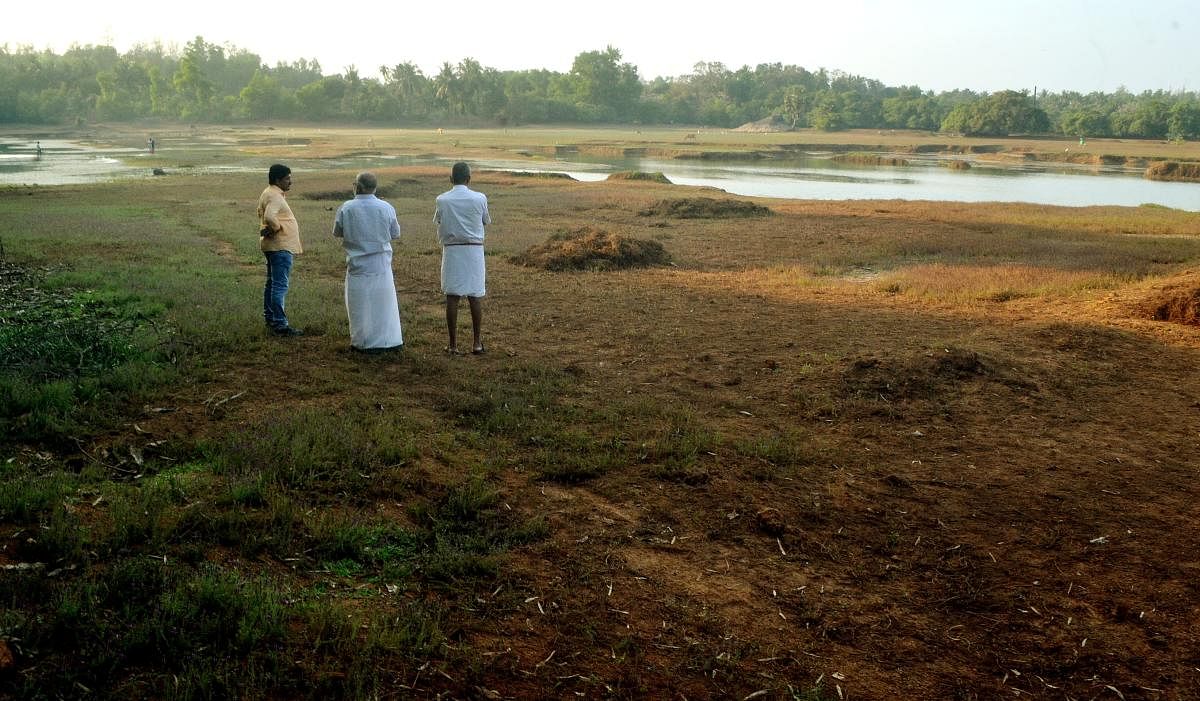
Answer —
592 249
706 208
640 175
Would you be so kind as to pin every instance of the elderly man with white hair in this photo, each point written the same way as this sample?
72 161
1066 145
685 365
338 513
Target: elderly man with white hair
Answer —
367 226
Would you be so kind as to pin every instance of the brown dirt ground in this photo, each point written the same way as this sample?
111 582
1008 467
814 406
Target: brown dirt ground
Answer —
991 501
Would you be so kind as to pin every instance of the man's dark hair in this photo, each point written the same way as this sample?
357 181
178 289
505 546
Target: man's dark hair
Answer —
277 172
460 173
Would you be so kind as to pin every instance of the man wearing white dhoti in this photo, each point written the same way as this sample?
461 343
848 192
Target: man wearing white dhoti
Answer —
367 226
460 216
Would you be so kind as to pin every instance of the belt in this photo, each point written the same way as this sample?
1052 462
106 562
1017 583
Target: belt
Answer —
464 244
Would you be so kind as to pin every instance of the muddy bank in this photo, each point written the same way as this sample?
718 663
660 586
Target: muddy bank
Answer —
1174 171
869 159
865 154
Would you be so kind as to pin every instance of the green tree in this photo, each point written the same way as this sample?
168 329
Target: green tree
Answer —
826 114
262 98
410 86
1143 118
1183 119
448 90
321 99
910 108
125 91
796 101
1085 121
192 87
603 82
1000 114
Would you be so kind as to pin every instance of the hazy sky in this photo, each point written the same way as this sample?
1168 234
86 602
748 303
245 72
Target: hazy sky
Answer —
937 44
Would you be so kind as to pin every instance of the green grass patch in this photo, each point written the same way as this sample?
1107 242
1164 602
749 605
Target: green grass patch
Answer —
313 450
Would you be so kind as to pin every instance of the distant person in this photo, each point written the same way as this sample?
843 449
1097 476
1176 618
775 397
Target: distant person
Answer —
367 226
150 143
37 150
460 216
279 240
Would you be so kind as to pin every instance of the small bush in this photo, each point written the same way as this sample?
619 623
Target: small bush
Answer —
591 249
706 208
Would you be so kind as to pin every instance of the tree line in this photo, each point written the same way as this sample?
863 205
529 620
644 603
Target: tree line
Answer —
213 83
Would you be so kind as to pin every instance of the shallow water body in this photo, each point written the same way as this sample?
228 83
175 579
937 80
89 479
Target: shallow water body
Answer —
815 176
821 178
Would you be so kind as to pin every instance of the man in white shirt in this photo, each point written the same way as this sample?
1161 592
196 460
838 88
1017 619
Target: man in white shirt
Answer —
460 216
367 226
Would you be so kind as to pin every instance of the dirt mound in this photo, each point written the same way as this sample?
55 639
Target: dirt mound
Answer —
923 377
639 175
706 208
1175 171
767 125
592 249
1179 308
958 165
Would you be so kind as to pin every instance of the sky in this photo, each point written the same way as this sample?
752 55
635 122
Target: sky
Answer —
939 45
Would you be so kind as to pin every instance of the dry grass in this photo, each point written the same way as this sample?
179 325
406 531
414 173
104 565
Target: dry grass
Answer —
705 208
1174 171
754 469
591 249
1180 308
639 175
964 284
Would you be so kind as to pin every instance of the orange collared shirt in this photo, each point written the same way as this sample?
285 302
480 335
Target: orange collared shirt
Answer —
273 211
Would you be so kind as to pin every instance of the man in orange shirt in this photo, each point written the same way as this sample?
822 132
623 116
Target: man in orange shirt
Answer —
279 240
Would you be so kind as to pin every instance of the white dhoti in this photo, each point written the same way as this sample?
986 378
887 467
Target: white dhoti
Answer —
371 302
463 271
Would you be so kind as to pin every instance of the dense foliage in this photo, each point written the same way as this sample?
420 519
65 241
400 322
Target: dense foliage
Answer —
207 82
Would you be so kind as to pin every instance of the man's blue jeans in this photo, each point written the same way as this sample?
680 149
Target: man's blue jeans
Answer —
279 272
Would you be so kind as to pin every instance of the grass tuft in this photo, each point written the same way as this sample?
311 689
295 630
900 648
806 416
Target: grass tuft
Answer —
706 208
